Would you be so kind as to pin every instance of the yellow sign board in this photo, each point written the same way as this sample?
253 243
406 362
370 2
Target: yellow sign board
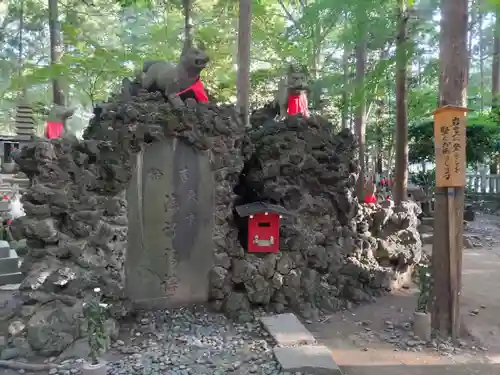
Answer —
449 142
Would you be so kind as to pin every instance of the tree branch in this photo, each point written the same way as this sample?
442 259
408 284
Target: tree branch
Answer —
290 17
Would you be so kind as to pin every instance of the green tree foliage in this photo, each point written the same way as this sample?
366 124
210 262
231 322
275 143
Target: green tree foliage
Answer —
106 40
483 140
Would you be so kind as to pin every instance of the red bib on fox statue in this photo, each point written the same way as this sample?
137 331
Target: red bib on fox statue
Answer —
54 130
297 104
195 91
55 121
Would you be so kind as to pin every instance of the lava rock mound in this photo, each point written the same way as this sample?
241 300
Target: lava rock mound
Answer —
329 255
76 223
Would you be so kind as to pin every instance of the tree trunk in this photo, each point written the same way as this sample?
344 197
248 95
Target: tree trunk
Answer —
481 53
453 53
472 26
244 42
20 57
360 120
495 67
494 167
56 50
188 26
345 94
447 245
401 178
419 73
379 149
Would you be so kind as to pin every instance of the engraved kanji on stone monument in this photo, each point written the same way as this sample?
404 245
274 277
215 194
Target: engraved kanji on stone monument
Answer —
177 216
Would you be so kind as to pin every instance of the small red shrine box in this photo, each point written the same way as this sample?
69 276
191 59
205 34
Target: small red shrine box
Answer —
263 226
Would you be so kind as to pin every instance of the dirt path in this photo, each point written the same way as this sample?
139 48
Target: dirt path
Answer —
376 339
480 302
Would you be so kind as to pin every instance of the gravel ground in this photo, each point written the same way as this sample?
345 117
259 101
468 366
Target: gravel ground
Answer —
486 229
183 342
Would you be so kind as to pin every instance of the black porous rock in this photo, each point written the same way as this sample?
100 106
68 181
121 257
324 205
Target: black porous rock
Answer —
334 251
76 223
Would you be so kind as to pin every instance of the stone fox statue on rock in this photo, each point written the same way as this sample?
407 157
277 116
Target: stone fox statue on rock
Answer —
168 78
292 93
56 121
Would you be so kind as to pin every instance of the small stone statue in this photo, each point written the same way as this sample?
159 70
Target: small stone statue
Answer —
56 121
292 92
170 78
59 113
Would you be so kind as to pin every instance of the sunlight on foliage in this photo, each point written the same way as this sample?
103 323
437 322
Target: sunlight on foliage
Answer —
107 40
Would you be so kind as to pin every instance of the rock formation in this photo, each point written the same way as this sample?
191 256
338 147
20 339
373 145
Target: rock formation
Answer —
333 250
76 211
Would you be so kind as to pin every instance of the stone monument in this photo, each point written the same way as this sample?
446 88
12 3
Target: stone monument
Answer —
170 208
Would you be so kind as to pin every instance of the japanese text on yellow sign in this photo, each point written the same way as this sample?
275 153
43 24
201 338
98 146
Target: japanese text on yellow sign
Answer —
449 133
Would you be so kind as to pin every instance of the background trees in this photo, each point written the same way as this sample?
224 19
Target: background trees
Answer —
357 53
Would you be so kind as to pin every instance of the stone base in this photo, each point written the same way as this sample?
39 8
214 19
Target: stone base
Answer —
99 369
427 221
309 359
9 167
4 249
296 349
9 264
422 325
11 278
287 330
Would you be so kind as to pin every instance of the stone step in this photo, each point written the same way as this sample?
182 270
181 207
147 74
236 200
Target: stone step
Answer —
287 330
4 249
11 278
427 221
10 264
425 229
17 181
307 359
22 137
296 348
427 238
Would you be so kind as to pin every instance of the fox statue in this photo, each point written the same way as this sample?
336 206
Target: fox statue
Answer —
292 93
169 78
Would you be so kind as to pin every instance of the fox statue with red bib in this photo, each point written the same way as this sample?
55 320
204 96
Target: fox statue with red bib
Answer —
182 79
292 93
55 126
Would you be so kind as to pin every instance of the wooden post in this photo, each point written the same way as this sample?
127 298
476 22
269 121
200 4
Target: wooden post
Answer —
448 214
450 134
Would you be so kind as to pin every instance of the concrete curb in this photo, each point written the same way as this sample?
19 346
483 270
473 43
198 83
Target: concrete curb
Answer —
296 348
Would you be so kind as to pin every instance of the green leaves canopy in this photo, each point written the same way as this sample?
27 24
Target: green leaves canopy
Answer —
483 140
